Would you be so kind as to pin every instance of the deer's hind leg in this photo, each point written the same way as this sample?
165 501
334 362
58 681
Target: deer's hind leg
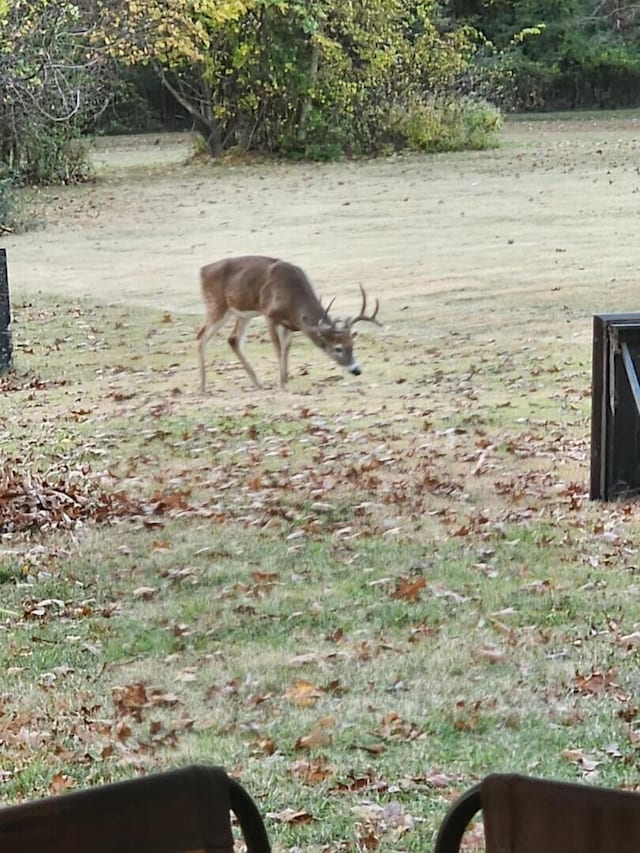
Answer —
236 342
206 331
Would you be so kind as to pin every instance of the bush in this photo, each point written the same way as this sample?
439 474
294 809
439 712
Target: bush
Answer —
53 155
301 79
53 85
445 123
603 82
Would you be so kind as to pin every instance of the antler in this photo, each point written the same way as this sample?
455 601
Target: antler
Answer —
362 316
325 317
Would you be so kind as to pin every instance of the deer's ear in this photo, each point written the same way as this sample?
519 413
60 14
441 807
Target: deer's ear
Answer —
354 335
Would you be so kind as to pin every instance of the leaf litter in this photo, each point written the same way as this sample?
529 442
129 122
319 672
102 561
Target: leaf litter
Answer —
350 477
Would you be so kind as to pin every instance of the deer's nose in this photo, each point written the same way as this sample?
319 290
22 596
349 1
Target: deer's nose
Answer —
355 370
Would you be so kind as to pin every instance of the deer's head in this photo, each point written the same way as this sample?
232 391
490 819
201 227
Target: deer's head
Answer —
335 337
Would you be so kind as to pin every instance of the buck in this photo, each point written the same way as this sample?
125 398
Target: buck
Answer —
253 285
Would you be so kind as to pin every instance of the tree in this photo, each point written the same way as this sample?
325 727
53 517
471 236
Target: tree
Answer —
52 83
563 53
295 76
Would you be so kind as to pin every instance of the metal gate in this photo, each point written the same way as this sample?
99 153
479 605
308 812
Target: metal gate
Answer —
615 407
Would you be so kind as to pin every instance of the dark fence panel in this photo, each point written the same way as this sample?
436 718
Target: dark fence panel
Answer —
615 407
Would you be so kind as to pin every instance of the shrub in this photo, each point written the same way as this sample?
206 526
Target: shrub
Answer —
54 82
605 82
53 155
445 123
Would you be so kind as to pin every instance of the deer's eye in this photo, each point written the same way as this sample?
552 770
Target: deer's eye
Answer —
338 349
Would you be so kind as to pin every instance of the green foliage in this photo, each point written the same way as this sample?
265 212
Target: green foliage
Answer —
447 124
53 155
605 81
303 78
559 55
51 88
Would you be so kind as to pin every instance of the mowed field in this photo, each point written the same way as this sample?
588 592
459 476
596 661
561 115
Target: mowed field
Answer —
545 223
365 593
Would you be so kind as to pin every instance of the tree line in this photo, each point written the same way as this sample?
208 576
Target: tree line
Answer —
298 78
562 54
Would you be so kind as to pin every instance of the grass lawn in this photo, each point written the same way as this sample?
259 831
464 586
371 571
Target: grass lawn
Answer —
359 597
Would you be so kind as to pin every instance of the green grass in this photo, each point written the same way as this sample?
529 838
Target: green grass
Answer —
422 556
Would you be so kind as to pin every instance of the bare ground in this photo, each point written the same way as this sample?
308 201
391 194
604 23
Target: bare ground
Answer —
509 242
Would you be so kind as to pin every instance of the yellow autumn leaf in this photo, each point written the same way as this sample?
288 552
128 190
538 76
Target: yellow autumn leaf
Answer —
303 694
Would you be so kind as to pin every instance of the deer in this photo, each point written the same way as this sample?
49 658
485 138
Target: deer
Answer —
248 286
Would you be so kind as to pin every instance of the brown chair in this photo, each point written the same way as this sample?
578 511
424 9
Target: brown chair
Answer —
524 815
173 812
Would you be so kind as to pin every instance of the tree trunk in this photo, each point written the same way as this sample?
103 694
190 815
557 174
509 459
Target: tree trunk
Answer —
206 124
313 76
209 129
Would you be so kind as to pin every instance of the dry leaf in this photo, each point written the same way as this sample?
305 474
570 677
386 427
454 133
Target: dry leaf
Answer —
490 653
303 694
315 739
145 593
264 746
310 772
598 683
60 783
291 816
372 749
577 756
409 589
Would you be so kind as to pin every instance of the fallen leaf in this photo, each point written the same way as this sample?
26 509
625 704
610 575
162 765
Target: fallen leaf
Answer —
409 589
320 735
303 694
310 772
598 683
490 653
145 593
372 749
577 756
60 783
291 816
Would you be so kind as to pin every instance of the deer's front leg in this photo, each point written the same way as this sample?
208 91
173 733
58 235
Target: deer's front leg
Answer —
281 337
236 341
